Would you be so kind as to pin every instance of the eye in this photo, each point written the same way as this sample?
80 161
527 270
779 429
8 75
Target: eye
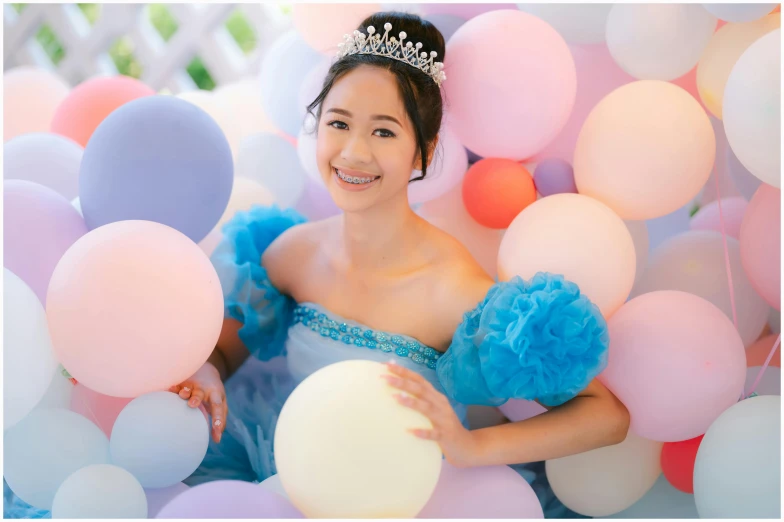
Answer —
387 133
338 122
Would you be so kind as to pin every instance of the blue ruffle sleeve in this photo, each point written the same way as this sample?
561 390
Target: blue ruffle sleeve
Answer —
248 294
539 339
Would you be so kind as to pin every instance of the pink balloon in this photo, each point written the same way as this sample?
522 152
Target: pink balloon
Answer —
224 499
504 111
445 171
159 497
322 26
466 11
482 492
676 362
708 216
760 243
597 76
101 409
30 98
688 82
516 410
39 225
134 307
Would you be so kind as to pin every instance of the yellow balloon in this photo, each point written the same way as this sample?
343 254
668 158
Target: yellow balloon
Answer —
343 449
645 150
577 237
721 54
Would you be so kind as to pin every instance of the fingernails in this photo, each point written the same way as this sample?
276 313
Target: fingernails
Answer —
391 362
217 422
186 389
193 402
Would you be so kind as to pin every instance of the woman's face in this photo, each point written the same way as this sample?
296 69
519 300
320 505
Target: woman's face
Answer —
366 147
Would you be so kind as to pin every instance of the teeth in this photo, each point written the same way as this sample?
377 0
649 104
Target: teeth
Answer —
352 179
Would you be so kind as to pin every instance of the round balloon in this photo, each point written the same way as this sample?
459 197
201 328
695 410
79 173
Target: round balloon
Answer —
31 96
739 13
752 110
578 23
263 157
501 111
757 353
159 497
769 383
592 248
100 491
101 409
677 462
322 26
47 159
125 336
445 171
710 218
158 159
496 190
242 100
760 244
661 501
676 362
746 183
516 409
630 156
446 24
326 424
316 202
737 473
272 483
224 499
218 111
90 102
639 232
554 176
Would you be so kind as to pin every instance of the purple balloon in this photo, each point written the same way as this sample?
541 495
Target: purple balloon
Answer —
517 409
447 24
483 492
316 202
472 156
228 499
39 226
157 158
554 176
159 497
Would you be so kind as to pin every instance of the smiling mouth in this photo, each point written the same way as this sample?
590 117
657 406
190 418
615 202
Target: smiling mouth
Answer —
355 180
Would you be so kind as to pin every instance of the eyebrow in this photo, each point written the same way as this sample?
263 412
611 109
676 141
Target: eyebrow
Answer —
344 112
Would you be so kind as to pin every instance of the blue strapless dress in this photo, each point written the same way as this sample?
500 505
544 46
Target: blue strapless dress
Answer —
539 339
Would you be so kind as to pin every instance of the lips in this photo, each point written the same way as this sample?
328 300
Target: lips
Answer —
354 177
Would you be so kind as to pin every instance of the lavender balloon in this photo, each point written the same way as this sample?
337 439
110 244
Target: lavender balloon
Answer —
446 23
39 226
49 159
157 158
554 176
228 499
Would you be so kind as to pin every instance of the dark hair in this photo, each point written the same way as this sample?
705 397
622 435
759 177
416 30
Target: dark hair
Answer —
421 95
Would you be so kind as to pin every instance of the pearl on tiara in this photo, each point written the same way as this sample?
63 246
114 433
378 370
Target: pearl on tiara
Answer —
391 47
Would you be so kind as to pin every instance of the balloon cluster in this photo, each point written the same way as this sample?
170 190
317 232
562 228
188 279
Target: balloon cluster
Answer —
563 150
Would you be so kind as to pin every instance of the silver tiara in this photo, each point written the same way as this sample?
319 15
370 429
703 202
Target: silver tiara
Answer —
391 47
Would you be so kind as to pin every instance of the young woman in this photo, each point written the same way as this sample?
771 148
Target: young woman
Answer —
378 282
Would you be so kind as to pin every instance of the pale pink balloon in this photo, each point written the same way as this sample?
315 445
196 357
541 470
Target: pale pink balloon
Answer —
676 362
101 409
511 84
760 243
134 307
30 98
707 218
445 171
597 76
322 26
516 409
466 11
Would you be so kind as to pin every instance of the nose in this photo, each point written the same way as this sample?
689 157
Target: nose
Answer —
356 150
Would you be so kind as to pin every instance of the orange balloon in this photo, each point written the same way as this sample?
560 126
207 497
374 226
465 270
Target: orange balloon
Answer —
758 352
496 190
89 103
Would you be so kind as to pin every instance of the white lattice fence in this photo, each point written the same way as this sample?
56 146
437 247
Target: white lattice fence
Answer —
200 32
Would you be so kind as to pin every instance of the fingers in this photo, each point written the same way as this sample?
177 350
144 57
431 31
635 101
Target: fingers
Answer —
175 389
426 434
405 372
218 413
197 395
415 403
185 390
413 387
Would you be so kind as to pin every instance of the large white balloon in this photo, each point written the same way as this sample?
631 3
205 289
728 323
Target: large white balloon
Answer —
752 108
48 159
658 41
739 12
100 491
737 473
661 501
576 23
272 161
29 362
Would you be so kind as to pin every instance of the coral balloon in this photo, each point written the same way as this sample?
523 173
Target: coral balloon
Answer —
322 26
125 336
709 218
628 470
677 462
751 110
760 244
658 41
325 425
90 102
30 98
630 154
101 410
100 491
723 51
584 241
577 23
757 353
508 112
496 190
676 362
44 158
740 13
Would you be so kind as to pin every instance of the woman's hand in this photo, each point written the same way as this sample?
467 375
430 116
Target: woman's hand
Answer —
206 386
457 443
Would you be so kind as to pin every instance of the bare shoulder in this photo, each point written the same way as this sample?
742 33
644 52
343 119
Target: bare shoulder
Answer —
287 255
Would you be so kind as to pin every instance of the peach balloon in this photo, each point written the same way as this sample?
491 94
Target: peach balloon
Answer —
90 102
496 190
322 26
676 362
575 236
504 111
242 100
631 155
722 53
134 307
30 98
760 243
218 111
732 210
757 353
101 410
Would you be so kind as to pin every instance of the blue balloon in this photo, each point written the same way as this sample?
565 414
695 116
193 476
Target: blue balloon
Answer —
157 158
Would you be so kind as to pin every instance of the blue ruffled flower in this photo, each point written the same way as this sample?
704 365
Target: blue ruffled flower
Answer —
539 339
249 296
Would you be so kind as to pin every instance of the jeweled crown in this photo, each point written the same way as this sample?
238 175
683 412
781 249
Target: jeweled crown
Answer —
391 47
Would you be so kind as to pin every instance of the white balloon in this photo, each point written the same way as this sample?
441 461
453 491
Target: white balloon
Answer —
59 393
272 161
658 41
769 384
752 108
661 501
739 13
576 23
29 361
77 204
100 491
48 159
242 100
737 473
306 149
